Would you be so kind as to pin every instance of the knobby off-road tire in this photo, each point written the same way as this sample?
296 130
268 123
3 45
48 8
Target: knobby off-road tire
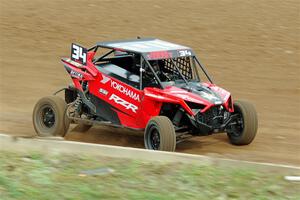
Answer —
244 132
49 117
160 134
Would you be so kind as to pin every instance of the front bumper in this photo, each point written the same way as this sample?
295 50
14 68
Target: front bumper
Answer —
214 120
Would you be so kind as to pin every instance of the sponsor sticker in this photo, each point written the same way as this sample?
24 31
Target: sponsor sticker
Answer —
103 91
121 88
122 102
78 54
125 90
159 55
76 74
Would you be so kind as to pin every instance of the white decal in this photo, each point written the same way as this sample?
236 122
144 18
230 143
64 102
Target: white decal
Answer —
78 53
185 53
105 79
125 90
124 103
103 91
76 64
76 74
210 97
154 96
223 93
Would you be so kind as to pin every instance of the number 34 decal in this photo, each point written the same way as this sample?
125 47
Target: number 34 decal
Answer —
78 53
185 53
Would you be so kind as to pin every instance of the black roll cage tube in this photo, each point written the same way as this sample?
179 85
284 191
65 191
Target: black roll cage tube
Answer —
152 70
203 69
95 48
99 59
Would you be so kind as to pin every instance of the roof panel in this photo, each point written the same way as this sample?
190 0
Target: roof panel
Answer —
146 45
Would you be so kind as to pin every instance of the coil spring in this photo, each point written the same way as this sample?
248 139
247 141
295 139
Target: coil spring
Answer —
77 104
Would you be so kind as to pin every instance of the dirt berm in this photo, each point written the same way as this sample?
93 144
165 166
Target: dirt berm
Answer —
250 48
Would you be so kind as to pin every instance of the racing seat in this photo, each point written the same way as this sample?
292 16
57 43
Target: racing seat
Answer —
120 73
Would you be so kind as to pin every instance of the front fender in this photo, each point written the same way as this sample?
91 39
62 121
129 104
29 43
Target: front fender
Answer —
163 98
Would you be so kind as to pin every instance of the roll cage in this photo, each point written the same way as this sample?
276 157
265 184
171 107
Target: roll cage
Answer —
177 61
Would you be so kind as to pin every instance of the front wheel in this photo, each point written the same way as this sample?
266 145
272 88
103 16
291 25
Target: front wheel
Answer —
244 128
160 134
49 117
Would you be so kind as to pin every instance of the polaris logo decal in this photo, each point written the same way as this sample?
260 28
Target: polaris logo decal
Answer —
123 103
105 79
125 90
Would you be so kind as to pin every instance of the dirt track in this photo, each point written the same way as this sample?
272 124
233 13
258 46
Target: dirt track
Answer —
251 48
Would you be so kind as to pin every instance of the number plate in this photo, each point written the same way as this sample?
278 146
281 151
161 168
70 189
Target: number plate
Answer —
78 54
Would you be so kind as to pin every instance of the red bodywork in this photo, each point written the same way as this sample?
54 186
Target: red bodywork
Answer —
136 107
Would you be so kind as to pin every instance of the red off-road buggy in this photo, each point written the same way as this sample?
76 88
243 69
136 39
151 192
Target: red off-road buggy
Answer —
144 84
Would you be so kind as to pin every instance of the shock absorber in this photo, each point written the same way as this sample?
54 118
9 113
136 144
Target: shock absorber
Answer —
85 86
78 105
177 117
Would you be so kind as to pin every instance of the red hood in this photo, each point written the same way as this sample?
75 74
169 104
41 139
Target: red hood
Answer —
176 92
201 93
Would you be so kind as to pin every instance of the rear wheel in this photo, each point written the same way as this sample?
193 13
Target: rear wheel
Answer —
244 129
160 134
49 117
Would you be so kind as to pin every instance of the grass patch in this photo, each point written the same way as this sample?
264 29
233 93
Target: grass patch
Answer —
37 176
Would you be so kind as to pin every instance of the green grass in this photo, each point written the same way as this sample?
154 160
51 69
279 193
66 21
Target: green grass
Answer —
37 176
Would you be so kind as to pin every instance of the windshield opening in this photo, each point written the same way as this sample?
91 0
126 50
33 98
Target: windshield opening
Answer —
174 69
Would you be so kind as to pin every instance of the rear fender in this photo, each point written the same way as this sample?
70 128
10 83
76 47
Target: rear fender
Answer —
89 67
77 72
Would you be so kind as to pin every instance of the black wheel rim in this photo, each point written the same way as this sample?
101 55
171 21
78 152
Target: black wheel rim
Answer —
47 117
154 138
238 127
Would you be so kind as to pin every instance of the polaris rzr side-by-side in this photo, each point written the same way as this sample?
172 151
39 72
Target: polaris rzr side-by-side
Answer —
149 85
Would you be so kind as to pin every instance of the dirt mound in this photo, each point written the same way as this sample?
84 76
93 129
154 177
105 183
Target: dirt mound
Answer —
250 48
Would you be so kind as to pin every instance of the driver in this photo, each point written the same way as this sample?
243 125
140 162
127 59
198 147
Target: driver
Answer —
157 66
148 76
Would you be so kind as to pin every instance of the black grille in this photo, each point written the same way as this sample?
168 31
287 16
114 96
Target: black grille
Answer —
212 117
193 105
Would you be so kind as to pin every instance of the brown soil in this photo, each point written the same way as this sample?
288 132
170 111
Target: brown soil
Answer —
251 48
